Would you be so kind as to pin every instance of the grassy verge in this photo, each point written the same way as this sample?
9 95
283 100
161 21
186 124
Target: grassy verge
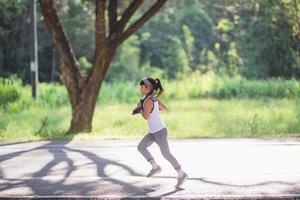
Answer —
16 97
188 119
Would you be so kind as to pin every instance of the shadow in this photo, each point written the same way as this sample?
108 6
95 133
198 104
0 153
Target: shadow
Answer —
231 185
237 185
1 173
276 144
40 184
172 192
2 144
102 163
18 153
294 190
280 139
142 193
154 197
59 157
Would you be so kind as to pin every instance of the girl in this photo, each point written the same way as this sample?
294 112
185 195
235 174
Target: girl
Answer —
149 108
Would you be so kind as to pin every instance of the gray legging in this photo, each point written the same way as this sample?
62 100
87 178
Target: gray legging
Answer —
160 137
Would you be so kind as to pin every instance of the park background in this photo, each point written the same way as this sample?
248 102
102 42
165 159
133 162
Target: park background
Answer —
229 69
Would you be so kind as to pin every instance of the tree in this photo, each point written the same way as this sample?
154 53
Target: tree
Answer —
13 41
130 68
83 89
272 39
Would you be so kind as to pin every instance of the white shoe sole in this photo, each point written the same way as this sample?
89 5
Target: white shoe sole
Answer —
185 178
156 172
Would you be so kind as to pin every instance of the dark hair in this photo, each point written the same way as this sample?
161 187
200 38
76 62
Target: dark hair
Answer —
157 88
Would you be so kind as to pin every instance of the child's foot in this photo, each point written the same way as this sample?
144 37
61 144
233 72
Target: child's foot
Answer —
154 170
181 178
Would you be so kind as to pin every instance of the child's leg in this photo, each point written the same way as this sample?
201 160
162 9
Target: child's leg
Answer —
161 139
142 147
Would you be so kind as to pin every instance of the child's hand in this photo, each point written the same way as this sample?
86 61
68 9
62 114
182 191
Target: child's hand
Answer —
140 103
163 107
139 108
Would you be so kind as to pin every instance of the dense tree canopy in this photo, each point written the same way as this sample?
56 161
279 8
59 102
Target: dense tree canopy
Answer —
256 38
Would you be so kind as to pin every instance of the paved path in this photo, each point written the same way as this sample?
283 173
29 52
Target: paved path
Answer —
218 168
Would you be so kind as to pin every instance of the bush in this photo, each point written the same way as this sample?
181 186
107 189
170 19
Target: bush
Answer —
9 91
14 97
52 95
211 85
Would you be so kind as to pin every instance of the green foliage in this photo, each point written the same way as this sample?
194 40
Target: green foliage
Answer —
84 64
52 95
153 72
118 92
272 40
200 25
126 64
15 97
255 39
170 56
225 87
218 107
78 20
188 45
187 119
9 91
13 37
160 46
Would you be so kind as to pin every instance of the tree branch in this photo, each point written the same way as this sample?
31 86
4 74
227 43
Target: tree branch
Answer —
112 14
100 31
100 36
70 69
128 13
137 24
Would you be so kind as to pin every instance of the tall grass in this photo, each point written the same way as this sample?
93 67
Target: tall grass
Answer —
186 119
211 85
206 106
16 97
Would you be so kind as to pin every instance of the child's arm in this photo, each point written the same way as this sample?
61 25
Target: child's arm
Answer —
147 108
163 107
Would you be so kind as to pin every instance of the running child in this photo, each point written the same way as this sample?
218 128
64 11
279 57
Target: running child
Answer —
149 108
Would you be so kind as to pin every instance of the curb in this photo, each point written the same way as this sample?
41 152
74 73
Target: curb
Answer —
202 197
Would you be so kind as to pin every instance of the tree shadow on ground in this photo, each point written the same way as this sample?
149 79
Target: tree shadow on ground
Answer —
172 192
205 180
241 185
40 184
2 144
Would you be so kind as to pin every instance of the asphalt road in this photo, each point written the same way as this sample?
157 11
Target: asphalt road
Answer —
217 168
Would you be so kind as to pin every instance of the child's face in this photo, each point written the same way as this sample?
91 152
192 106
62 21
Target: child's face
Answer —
144 89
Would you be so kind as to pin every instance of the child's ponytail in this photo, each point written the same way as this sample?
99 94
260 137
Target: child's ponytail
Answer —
158 89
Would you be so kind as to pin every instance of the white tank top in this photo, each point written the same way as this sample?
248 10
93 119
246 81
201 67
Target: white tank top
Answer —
154 121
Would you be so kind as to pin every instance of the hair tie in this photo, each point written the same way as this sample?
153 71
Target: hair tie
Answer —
147 82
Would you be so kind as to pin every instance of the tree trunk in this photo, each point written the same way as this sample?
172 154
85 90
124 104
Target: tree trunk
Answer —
52 76
83 90
82 113
83 106
85 101
82 117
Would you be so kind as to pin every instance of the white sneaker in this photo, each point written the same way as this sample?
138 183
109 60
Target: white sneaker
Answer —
154 170
181 179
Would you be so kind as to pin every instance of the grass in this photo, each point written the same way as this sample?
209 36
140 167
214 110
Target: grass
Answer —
16 97
202 105
187 119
